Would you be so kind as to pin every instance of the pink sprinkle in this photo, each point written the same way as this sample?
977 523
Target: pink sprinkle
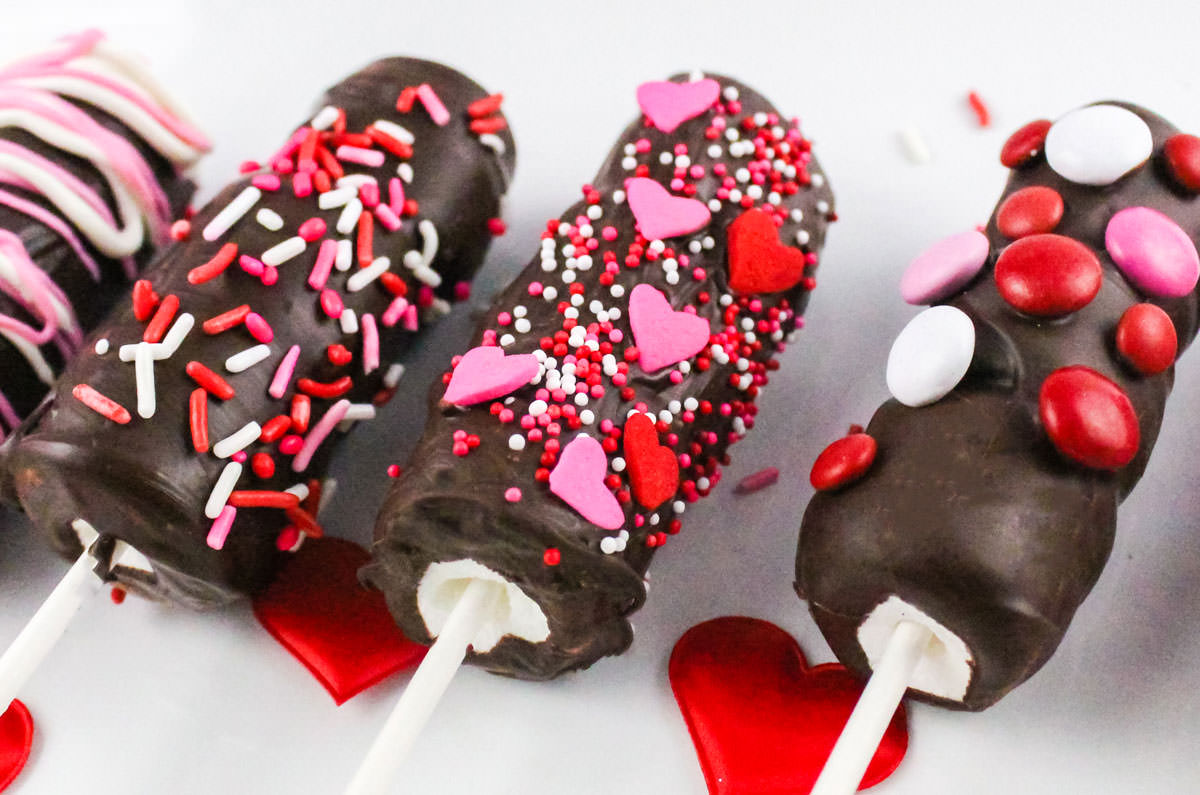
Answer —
391 315
676 377
616 335
248 167
251 265
324 264
433 105
424 296
396 195
221 527
513 494
370 340
504 318
462 291
759 480
270 275
318 433
267 182
181 229
368 193
302 184
290 444
410 319
283 373
609 233
311 230
240 456
331 303
387 217
535 288
259 328
356 154
642 145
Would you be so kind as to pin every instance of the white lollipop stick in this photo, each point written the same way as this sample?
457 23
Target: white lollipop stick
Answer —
425 689
45 628
859 740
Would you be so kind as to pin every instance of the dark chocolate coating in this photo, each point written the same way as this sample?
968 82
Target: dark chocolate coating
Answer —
446 507
90 298
969 512
144 482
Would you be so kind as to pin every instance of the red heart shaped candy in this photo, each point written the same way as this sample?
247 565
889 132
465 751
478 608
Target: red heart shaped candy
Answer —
758 262
653 469
763 722
16 738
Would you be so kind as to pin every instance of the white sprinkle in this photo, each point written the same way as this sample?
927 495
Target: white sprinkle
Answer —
349 321
102 346
336 198
587 416
359 411
143 368
345 255
221 491
797 215
537 408
269 219
405 172
325 117
361 278
691 404
238 440
393 375
730 93
608 545
522 325
550 293
174 338
715 151
428 276
356 181
232 213
802 236
390 128
493 142
914 145
300 490
714 206
349 217
429 241
506 340
595 212
679 506
282 252
516 442
243 360
618 197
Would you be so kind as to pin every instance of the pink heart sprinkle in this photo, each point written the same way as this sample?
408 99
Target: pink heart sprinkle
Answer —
578 478
668 105
660 215
485 372
662 335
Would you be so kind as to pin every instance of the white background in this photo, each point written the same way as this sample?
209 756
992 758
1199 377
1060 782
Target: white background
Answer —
152 699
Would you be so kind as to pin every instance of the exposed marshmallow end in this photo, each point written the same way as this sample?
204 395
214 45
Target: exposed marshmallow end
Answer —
124 555
509 611
944 671
86 533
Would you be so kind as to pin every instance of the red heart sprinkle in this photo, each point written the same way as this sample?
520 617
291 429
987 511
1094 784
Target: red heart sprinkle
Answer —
762 721
758 262
340 631
16 738
843 462
653 469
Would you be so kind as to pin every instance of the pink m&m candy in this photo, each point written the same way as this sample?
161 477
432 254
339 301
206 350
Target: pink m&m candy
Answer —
944 268
1153 252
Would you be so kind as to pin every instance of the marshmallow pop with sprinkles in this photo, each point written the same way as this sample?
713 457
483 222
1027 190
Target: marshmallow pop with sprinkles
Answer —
608 382
187 460
950 544
92 154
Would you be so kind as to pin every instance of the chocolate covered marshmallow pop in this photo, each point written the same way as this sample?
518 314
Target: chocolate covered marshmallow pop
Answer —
603 392
978 508
184 450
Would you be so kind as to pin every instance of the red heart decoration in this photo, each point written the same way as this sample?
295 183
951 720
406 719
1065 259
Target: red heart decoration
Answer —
762 721
758 262
16 738
340 631
653 468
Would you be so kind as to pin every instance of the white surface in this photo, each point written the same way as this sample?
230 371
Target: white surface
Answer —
147 699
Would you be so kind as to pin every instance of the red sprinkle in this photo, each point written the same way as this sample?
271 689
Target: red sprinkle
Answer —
305 521
264 499
157 326
366 239
485 126
311 230
339 354
226 320
301 412
263 465
215 266
198 420
100 404
759 480
291 444
325 391
144 300
274 428
259 328
497 226
485 107
117 594
209 381
551 557
331 303
385 141
404 102
981 110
